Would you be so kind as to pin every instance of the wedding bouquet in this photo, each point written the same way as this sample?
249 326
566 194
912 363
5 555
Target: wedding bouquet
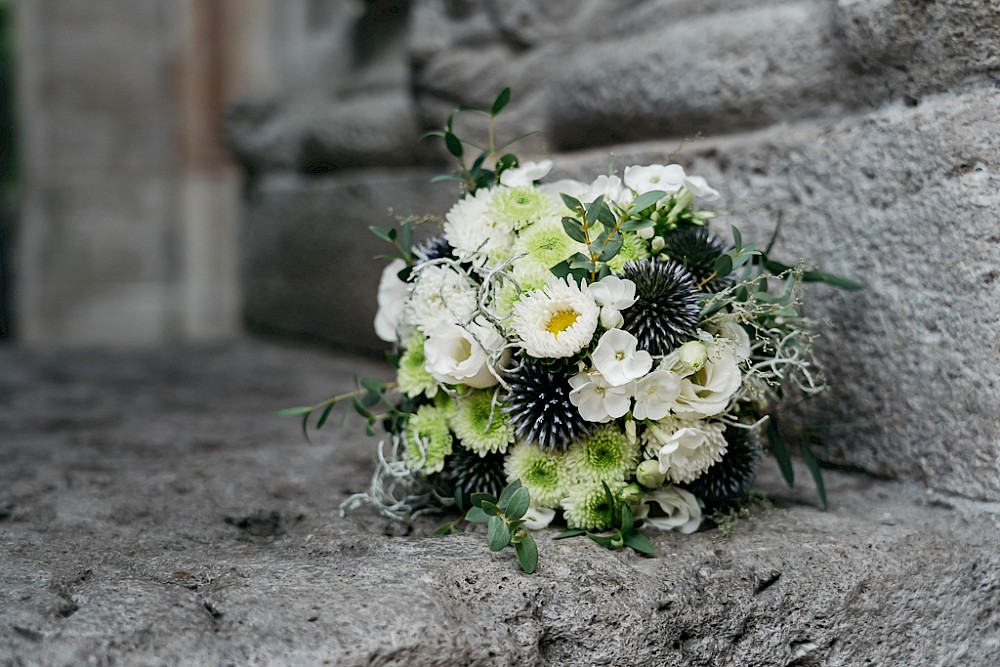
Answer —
583 352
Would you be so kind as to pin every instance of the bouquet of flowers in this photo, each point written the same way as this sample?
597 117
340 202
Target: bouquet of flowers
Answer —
583 352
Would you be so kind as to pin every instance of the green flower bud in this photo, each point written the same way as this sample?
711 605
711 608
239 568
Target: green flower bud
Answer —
648 474
632 494
693 354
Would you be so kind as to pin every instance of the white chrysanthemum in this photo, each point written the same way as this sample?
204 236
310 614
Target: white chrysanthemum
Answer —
391 302
676 509
472 231
546 244
690 450
526 174
512 209
707 391
556 321
597 400
440 294
618 358
669 178
428 439
655 394
542 473
607 454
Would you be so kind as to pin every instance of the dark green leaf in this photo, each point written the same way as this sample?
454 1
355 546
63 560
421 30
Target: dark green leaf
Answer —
497 533
459 498
446 529
368 399
628 521
387 235
647 199
569 532
506 494
737 238
594 210
723 266
490 508
574 229
453 144
360 408
373 384
639 542
606 217
505 162
501 101
603 272
527 553
477 498
603 540
817 473
292 412
774 234
476 515
560 270
777 446
612 248
518 504
324 416
572 203
580 261
831 279
636 225
776 267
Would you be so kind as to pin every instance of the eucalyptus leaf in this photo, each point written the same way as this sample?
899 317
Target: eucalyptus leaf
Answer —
527 553
612 248
476 515
594 210
637 224
572 203
291 412
737 238
490 508
477 498
831 279
723 266
497 533
500 102
323 416
518 504
574 229
453 144
646 199
506 494
387 235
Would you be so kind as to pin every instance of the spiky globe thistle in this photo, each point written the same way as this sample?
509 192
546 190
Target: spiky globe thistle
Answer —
471 473
666 309
480 423
542 473
539 406
586 506
436 247
698 249
606 454
729 478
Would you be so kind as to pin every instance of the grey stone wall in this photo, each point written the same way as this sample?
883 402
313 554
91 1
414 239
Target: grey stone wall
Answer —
868 124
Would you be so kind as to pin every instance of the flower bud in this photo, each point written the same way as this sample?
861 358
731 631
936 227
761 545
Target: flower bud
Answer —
648 474
657 244
693 354
632 494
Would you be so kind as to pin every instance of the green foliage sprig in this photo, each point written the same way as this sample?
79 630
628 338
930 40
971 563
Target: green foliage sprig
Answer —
623 532
370 393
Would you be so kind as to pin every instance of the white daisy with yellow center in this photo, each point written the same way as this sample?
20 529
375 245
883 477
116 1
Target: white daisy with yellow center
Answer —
556 321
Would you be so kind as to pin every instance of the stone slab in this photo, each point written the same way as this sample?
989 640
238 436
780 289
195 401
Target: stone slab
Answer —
154 511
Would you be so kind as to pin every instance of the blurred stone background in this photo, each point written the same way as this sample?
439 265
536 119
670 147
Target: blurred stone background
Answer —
195 169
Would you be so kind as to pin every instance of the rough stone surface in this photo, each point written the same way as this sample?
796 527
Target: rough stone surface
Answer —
309 268
153 511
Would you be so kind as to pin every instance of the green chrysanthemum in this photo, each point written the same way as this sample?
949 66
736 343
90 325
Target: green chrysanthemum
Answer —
542 473
546 244
515 208
481 426
633 248
604 455
428 439
413 376
586 506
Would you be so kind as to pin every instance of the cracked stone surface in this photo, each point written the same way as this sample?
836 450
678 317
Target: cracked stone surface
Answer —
154 511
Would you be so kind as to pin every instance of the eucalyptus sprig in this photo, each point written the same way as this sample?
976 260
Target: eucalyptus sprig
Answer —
370 393
623 531
504 521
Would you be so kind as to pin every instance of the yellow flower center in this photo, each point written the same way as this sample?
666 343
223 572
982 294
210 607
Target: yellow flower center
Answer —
561 321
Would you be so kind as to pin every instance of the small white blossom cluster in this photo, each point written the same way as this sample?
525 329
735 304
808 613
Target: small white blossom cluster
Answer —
554 311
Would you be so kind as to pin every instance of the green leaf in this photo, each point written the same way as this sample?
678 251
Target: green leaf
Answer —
569 532
324 416
447 177
501 101
446 529
453 144
628 521
360 408
817 473
611 501
527 553
574 229
572 203
518 504
777 446
561 270
387 235
292 412
646 199
507 161
612 248
517 139
774 234
831 279
372 384
639 542
603 540
497 533
594 210
369 399
606 217
490 508
775 267
406 241
636 225
737 238
305 427
581 261
476 515
506 494
477 498
723 266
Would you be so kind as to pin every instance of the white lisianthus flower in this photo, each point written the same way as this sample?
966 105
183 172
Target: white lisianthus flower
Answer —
597 400
617 358
537 518
690 450
655 394
440 294
392 294
679 510
669 178
612 189
557 320
707 391
473 233
526 174
736 334
613 295
699 187
566 186
461 355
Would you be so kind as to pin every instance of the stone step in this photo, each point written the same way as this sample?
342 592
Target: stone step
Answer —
154 510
